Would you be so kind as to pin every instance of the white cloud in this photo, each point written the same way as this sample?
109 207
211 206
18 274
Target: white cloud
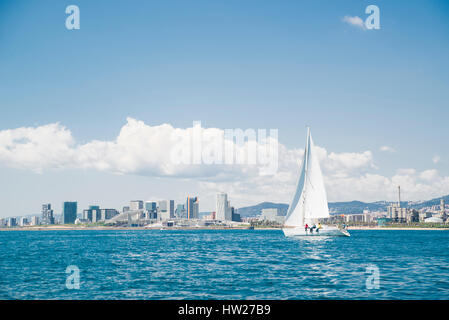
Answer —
355 21
436 159
146 150
387 149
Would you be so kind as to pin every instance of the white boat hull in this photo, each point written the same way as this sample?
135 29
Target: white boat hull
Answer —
324 231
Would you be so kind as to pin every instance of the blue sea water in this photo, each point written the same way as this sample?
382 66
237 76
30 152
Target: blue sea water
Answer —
223 264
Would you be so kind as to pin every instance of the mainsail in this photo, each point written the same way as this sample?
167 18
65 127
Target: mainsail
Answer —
310 200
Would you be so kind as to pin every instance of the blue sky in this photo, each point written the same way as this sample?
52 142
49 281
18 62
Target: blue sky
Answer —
230 64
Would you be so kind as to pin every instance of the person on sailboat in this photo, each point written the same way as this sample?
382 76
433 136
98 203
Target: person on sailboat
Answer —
319 226
306 227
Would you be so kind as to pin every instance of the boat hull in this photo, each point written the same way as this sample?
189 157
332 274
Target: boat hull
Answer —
327 231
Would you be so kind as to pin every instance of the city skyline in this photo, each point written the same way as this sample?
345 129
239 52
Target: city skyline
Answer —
78 107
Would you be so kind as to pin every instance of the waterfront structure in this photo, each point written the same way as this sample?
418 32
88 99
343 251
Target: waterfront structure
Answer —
23 221
69 210
34 221
11 222
125 209
107 214
166 210
272 215
95 214
235 216
192 206
135 205
180 211
47 214
151 209
223 207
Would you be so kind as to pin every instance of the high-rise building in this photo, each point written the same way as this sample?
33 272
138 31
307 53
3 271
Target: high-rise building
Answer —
11 222
135 205
166 210
151 209
69 212
23 221
47 214
223 207
180 211
107 214
34 220
442 206
192 209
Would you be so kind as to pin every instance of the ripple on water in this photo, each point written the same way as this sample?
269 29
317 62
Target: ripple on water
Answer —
228 264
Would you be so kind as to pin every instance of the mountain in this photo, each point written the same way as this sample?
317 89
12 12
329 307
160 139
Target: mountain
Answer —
347 207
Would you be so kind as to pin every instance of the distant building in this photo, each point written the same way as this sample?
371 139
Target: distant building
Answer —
125 209
180 212
396 213
47 214
107 214
23 221
69 210
11 222
166 210
34 221
192 207
136 205
235 216
434 220
272 215
223 207
442 207
151 209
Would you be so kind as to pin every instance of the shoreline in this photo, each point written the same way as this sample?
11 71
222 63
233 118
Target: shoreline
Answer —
107 228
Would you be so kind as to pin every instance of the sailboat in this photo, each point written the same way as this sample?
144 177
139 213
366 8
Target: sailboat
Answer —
309 202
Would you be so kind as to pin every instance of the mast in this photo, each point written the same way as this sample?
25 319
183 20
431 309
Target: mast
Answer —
306 166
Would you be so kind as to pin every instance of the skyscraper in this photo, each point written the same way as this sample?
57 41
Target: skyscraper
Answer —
192 208
181 211
47 214
69 212
223 207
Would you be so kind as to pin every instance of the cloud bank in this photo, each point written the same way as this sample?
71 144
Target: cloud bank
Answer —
146 150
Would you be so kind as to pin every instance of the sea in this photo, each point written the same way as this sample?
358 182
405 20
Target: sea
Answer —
223 264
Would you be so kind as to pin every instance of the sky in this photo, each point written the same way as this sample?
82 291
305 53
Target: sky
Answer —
87 115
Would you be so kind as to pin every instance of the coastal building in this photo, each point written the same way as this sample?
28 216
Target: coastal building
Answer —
442 207
23 221
192 208
151 209
235 216
223 207
34 221
166 210
47 214
107 214
180 211
135 205
93 214
125 209
272 215
396 213
358 217
11 222
69 210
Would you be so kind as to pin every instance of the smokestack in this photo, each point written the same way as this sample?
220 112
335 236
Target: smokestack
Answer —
399 194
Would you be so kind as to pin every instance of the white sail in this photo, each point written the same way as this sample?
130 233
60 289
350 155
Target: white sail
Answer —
310 200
